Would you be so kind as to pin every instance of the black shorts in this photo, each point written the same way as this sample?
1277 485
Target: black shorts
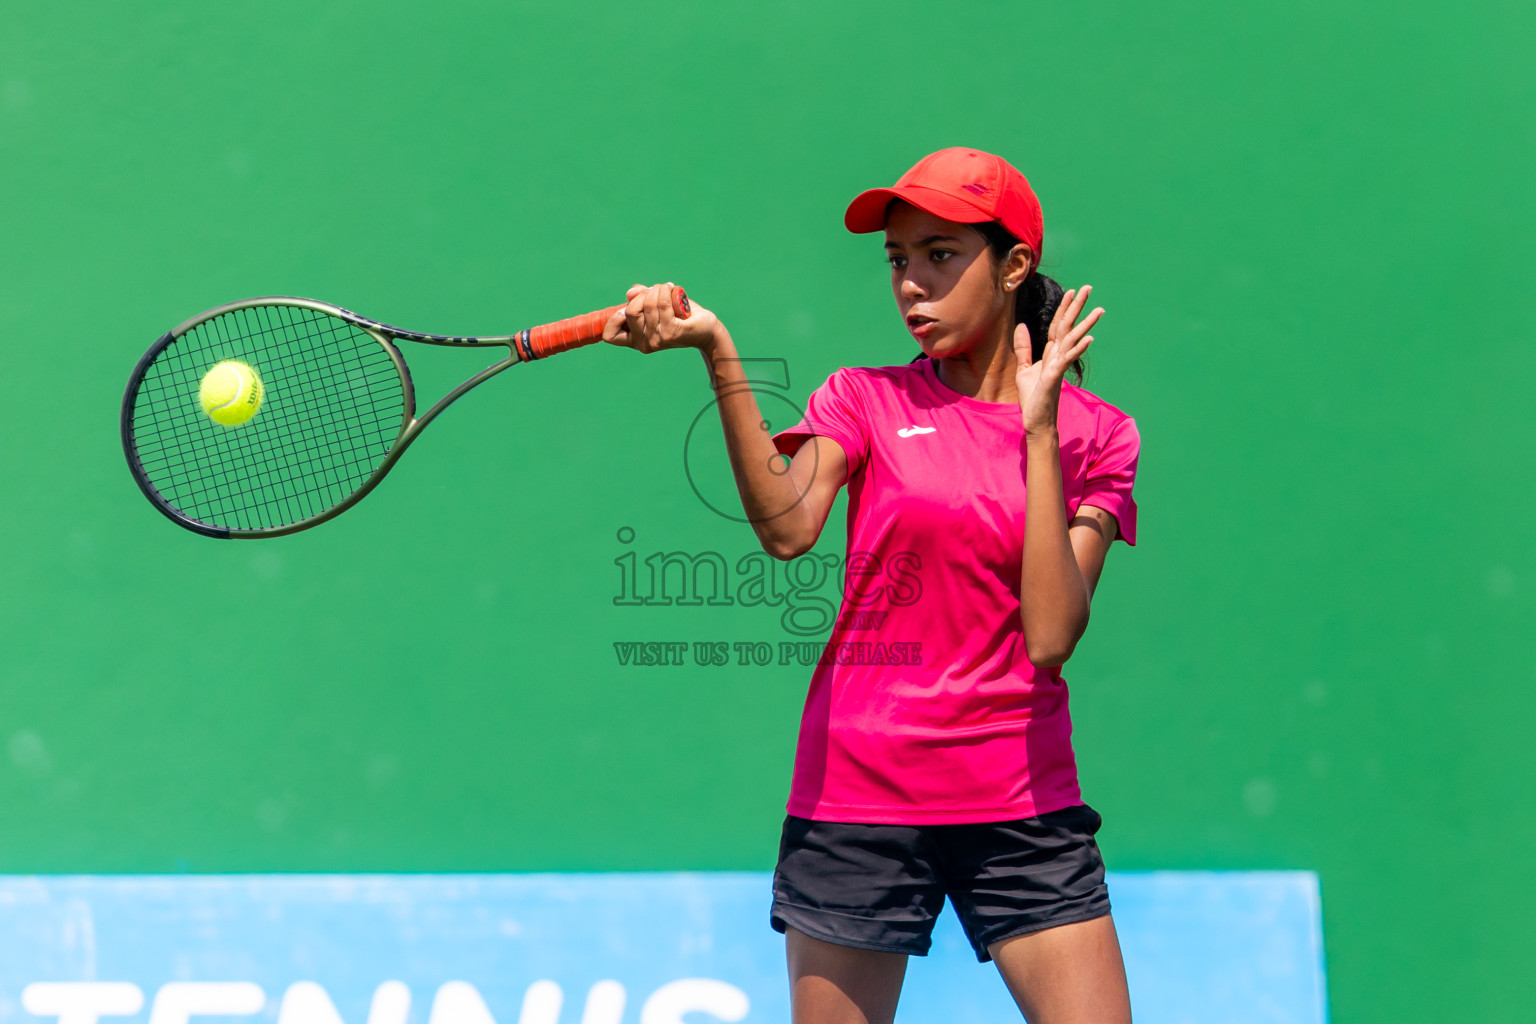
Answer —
881 887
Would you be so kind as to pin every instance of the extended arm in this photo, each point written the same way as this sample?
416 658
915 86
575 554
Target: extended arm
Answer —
787 505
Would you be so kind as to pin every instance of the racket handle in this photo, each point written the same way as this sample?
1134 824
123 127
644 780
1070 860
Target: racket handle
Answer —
563 335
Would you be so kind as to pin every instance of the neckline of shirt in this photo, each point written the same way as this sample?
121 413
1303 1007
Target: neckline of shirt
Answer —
949 395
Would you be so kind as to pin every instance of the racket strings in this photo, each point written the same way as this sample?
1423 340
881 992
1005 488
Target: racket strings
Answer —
332 409
239 484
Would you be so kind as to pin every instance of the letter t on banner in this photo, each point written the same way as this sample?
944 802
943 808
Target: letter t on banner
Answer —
82 1002
179 1001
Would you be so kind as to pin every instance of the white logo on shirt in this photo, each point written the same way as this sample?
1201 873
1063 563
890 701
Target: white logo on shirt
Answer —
915 429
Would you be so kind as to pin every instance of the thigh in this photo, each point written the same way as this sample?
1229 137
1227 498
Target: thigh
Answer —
1068 974
832 984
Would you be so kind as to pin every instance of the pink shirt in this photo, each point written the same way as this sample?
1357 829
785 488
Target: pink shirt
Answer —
924 708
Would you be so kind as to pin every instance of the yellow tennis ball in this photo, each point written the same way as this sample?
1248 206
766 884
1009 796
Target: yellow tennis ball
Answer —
231 393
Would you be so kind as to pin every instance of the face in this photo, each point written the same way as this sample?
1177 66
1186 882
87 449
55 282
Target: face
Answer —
949 288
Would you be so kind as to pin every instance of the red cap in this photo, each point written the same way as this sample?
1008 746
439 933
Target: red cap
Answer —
963 185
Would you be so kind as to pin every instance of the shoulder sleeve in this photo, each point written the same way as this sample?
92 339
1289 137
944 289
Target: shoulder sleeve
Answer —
834 410
1111 475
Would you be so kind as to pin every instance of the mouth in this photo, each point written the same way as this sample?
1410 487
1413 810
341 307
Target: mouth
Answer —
920 326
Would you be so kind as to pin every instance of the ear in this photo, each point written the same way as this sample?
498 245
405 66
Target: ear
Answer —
1017 266
1023 346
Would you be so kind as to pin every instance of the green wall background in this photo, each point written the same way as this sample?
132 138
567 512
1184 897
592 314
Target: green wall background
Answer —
1304 219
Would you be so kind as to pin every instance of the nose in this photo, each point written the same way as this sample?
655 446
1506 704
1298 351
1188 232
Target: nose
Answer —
911 290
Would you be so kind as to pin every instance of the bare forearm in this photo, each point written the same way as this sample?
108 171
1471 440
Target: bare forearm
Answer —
1053 597
769 495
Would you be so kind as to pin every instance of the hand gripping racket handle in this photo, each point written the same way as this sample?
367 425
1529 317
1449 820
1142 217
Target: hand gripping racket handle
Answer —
563 335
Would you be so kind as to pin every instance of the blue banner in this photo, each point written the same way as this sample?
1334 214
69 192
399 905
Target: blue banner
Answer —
623 948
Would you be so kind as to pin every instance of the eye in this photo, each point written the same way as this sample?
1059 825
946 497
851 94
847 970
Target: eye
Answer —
940 255
896 260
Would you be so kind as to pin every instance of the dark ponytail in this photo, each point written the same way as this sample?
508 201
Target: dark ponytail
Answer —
1037 301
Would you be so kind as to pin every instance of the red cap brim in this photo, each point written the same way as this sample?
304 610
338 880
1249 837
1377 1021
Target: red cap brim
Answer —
867 211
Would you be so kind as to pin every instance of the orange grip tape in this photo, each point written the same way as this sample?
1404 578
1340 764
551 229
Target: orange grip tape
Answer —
563 335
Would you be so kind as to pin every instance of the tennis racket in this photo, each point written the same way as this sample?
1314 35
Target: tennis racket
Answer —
337 412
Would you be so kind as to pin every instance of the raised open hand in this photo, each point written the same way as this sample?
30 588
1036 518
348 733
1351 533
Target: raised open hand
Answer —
1039 383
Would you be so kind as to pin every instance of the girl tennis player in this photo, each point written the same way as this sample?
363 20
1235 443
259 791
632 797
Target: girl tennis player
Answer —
935 755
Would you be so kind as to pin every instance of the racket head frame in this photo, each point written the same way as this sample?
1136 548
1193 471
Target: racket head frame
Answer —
385 335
